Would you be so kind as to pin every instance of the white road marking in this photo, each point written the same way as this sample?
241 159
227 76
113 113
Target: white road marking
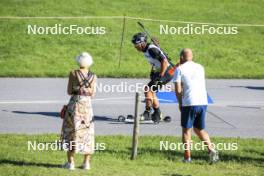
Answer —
130 100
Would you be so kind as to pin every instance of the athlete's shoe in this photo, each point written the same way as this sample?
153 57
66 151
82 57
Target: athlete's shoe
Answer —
156 116
146 115
69 166
213 156
189 160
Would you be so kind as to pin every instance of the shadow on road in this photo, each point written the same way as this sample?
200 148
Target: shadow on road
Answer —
249 87
57 115
49 114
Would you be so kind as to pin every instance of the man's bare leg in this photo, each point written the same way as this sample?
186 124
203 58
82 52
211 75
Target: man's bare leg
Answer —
156 116
149 98
186 140
203 135
155 100
149 103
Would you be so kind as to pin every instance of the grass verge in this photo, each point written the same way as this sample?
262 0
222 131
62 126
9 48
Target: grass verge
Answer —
224 56
16 159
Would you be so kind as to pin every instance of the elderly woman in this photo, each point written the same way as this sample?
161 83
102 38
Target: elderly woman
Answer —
78 126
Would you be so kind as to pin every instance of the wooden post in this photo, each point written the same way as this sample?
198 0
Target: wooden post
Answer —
136 128
122 41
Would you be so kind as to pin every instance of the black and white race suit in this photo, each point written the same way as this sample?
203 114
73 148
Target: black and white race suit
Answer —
154 55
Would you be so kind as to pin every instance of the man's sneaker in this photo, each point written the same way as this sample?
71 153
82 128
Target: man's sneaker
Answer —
213 156
69 166
86 166
189 160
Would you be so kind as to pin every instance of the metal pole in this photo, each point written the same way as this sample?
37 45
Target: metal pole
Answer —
136 128
122 41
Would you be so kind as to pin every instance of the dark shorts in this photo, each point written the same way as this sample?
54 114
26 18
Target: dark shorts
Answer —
164 80
193 116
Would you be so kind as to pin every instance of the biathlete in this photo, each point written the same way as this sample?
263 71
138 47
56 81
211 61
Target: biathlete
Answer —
162 71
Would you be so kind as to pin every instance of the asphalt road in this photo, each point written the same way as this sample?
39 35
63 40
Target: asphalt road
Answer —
32 105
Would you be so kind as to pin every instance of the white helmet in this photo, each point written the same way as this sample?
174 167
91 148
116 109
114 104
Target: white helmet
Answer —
84 59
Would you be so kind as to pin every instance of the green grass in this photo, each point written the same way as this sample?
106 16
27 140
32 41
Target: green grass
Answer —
16 159
224 56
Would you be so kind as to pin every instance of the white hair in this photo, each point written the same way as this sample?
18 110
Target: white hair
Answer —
84 59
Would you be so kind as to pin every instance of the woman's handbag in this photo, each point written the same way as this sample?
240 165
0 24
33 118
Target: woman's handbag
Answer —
63 111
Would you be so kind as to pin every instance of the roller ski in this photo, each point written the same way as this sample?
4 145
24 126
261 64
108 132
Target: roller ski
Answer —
146 117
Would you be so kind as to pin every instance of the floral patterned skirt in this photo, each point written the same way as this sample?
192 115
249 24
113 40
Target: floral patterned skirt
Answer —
78 126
